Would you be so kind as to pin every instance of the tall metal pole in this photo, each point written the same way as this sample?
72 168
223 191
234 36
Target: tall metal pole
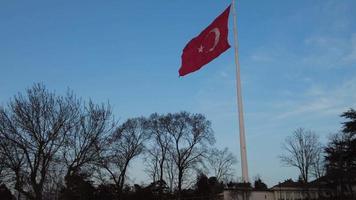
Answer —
239 103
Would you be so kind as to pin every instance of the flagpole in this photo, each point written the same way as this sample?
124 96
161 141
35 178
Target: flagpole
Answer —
239 103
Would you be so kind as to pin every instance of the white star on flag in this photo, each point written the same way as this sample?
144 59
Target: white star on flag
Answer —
200 49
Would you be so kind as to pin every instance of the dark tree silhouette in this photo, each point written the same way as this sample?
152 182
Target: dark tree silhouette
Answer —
302 150
202 185
87 139
78 187
349 127
259 184
221 163
5 193
33 129
125 144
208 188
341 158
190 133
57 146
105 192
158 152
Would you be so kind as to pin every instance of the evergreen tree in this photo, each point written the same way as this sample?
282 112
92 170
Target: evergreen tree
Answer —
77 188
260 185
341 158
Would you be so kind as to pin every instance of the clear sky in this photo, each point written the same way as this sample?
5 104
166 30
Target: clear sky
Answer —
297 64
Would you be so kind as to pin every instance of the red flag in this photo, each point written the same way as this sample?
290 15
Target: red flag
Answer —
209 44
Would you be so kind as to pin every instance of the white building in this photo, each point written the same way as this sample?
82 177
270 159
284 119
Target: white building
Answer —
288 190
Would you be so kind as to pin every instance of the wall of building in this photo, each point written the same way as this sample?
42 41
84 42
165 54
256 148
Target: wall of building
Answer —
282 194
252 195
262 195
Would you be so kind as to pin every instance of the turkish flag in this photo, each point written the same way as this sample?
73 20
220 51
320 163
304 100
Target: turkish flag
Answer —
209 44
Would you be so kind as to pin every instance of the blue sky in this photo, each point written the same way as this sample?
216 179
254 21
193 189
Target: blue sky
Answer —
297 64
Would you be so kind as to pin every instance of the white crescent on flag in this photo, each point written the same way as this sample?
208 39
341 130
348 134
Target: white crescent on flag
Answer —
217 37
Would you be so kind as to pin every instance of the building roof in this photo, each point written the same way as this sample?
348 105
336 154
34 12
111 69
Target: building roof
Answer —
289 183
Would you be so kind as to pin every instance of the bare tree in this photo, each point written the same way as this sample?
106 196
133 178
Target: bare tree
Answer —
54 182
302 151
318 166
33 128
126 143
159 151
171 173
7 167
190 133
220 163
86 140
152 163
